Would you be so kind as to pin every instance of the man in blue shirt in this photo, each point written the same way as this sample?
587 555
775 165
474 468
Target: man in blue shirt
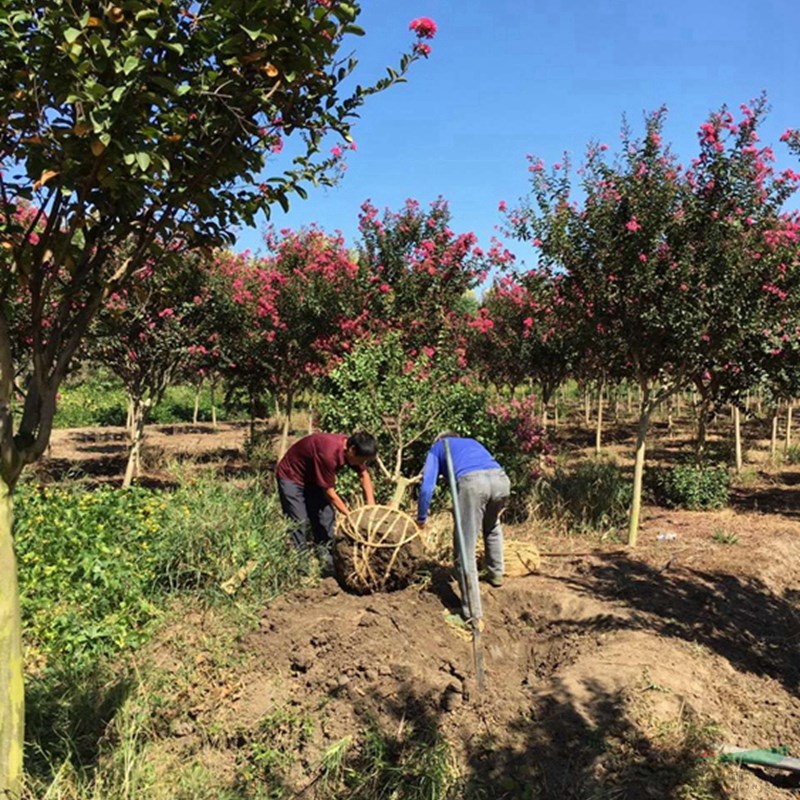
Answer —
483 489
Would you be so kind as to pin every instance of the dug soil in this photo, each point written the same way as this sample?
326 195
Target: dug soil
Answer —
610 673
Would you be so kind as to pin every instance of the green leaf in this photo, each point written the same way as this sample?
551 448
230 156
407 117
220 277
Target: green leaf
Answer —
118 92
131 63
71 34
175 47
143 160
252 33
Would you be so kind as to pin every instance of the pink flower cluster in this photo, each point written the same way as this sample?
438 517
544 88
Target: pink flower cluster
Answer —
424 27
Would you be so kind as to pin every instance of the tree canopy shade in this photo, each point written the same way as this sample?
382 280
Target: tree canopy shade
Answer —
138 124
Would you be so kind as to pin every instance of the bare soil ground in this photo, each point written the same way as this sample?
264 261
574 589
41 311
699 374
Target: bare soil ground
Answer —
609 672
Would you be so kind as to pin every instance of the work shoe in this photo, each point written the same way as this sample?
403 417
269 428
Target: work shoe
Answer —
495 580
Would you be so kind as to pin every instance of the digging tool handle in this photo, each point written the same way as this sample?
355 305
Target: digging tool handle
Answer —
477 653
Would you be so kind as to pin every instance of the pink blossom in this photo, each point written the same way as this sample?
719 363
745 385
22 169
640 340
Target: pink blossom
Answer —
633 225
501 206
336 151
424 27
422 49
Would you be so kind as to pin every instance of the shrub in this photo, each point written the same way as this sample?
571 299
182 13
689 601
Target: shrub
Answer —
691 486
593 496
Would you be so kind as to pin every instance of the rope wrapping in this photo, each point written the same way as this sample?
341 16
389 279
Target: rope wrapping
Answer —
377 549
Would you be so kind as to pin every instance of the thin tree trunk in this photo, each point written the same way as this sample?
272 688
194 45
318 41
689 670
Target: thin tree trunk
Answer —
598 432
638 474
129 419
788 441
310 417
555 410
12 696
737 438
587 407
213 404
773 444
544 416
196 412
287 421
630 399
678 405
133 467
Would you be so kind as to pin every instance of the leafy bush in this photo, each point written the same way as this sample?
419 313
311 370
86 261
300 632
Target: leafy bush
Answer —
96 401
689 486
94 565
593 496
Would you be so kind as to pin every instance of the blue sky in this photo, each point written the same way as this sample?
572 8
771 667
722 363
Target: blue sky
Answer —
510 77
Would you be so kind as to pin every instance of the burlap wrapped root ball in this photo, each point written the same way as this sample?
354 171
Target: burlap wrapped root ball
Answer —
376 549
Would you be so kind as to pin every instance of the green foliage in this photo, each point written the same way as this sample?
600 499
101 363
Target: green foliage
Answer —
219 536
95 565
87 564
403 402
689 486
793 454
593 496
97 400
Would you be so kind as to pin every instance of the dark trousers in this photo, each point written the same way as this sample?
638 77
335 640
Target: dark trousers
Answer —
310 508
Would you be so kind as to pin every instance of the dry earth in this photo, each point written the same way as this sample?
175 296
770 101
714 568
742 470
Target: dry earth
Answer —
608 673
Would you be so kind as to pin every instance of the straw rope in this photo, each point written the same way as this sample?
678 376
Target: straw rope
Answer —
371 529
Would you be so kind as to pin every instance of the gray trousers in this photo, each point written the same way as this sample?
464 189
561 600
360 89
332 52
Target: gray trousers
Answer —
310 508
481 497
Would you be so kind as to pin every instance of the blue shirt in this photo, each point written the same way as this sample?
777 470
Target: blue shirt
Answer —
468 456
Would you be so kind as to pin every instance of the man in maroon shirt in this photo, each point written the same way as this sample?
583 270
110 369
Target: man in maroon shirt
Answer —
307 479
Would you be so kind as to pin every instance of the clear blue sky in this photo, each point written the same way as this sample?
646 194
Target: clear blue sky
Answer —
510 77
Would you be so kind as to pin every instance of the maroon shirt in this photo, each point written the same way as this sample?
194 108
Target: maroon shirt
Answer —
314 460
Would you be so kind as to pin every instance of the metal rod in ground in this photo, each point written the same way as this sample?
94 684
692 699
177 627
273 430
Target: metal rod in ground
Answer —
477 653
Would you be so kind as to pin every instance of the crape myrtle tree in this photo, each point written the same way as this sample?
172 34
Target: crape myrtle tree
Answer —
522 332
149 333
739 259
130 123
295 312
424 273
668 279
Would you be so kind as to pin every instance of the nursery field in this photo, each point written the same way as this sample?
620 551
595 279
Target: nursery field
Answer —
611 672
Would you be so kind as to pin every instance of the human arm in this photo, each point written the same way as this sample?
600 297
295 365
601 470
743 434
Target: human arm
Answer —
337 501
430 474
366 485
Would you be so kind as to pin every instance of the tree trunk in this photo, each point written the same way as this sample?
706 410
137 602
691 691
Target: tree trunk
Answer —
196 412
544 416
287 421
737 438
788 442
702 429
630 399
133 467
598 433
638 474
773 444
12 697
310 417
129 419
587 407
213 404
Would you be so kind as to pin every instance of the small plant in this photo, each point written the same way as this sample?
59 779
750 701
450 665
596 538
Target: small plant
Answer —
696 487
792 455
721 536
